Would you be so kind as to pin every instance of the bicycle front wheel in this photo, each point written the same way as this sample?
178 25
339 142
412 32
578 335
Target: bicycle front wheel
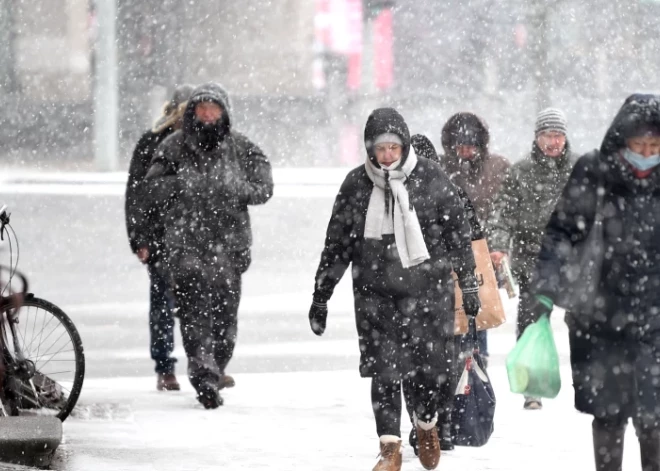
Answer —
49 343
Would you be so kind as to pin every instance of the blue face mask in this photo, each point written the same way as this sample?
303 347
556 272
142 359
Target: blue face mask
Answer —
639 161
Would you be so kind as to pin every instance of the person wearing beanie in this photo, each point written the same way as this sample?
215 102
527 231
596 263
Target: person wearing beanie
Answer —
201 181
398 221
145 239
524 205
611 202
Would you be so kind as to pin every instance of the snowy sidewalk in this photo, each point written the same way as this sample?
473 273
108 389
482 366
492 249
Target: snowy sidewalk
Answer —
311 421
290 182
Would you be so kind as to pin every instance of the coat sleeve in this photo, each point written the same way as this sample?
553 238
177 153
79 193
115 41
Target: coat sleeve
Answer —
259 185
337 253
456 231
470 214
133 207
504 220
569 224
160 187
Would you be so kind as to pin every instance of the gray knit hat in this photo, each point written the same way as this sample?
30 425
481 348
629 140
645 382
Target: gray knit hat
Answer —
551 119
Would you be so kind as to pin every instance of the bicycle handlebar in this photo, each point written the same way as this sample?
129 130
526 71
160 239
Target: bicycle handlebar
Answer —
4 220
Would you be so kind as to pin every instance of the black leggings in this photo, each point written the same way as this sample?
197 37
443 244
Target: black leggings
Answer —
387 404
608 445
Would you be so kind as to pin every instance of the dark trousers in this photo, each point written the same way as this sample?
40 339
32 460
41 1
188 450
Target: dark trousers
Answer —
482 342
422 399
608 445
208 292
161 321
446 390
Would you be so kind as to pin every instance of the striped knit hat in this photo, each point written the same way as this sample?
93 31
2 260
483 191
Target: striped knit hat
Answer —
551 119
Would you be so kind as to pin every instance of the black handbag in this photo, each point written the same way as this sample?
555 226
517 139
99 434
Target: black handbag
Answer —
474 402
580 275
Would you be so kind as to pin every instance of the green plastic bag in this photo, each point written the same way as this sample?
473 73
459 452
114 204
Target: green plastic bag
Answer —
533 364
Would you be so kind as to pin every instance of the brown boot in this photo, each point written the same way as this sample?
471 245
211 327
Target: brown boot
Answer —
390 454
226 382
429 446
167 382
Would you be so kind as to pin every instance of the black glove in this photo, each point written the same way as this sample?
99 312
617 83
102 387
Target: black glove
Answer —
471 303
318 315
541 306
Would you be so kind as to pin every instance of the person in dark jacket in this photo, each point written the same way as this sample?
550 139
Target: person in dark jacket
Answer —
145 239
615 344
424 147
201 181
472 167
524 205
399 222
469 162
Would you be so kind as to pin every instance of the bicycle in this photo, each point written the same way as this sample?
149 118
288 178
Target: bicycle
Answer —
42 366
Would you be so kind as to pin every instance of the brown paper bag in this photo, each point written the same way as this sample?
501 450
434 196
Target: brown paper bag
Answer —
492 311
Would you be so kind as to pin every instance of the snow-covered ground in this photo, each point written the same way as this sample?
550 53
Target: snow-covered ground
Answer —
299 402
290 421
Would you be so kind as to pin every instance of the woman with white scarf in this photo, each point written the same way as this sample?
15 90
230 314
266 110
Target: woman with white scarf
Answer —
398 220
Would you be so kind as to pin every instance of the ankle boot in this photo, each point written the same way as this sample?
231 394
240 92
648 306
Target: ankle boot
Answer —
390 458
428 444
608 445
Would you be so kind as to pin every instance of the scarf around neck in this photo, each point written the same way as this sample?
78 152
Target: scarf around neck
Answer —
389 186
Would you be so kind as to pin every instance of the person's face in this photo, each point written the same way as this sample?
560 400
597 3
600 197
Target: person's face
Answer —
551 143
208 112
645 146
466 152
387 153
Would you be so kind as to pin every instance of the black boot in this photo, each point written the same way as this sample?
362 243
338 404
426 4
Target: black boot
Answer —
446 443
412 439
649 447
608 444
208 397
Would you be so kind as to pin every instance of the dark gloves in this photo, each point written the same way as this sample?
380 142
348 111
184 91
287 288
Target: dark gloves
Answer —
318 315
471 303
470 290
541 306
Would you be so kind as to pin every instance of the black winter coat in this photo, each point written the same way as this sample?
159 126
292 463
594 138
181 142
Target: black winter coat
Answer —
141 226
404 317
629 293
202 196
615 350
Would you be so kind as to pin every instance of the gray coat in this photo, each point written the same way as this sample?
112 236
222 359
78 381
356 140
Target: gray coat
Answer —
523 207
202 196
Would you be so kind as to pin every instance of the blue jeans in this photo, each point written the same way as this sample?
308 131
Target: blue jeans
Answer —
482 342
161 321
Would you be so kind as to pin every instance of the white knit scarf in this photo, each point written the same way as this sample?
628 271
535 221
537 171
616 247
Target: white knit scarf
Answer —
407 231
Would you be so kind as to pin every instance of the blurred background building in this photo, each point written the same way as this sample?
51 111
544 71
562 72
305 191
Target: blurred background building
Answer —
304 74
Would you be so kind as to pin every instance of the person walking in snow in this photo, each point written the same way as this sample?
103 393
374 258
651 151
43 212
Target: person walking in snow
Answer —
146 239
615 342
424 147
524 205
201 182
399 222
473 168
